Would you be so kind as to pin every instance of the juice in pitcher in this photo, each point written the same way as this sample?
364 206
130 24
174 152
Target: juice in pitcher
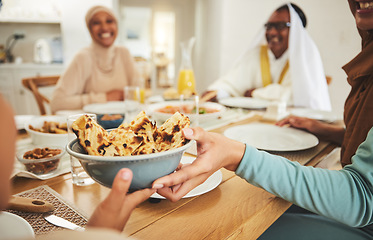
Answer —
186 83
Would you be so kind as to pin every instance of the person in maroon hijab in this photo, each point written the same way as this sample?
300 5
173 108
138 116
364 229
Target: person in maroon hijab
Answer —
358 110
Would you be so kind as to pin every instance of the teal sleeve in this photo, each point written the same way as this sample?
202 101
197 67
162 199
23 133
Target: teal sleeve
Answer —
345 195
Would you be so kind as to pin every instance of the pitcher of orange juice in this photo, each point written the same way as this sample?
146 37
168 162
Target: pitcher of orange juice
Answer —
186 84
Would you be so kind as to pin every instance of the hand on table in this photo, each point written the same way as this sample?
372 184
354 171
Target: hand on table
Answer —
210 96
115 95
116 209
249 93
322 130
310 125
214 152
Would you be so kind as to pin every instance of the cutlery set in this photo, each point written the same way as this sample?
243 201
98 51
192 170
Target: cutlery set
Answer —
24 204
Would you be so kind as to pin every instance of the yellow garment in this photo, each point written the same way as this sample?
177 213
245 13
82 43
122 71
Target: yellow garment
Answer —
266 69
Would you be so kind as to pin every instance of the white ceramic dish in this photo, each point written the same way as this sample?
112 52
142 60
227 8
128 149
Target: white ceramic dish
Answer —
39 138
211 183
272 138
244 102
14 227
21 120
316 114
67 113
115 107
159 116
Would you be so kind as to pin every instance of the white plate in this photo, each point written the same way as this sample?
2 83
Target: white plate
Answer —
115 107
14 227
69 112
159 116
212 182
272 138
244 102
21 120
316 114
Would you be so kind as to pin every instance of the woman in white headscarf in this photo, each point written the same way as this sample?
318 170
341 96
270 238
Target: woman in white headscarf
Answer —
281 64
98 73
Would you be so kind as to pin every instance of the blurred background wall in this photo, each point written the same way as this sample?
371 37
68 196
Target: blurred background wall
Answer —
223 30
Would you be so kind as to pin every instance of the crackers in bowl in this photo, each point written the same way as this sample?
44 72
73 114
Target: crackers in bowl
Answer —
141 136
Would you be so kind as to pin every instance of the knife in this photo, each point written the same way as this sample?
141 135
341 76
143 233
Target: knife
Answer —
58 221
29 204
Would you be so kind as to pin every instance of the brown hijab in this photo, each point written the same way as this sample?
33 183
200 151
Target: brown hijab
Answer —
358 111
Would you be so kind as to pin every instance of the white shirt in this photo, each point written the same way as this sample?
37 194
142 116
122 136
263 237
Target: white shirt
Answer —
304 85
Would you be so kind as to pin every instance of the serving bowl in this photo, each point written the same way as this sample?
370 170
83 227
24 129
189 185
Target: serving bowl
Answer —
41 166
145 168
109 121
109 115
46 139
157 110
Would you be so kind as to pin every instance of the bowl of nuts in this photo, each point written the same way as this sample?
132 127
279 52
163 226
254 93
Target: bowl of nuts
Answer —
48 130
41 161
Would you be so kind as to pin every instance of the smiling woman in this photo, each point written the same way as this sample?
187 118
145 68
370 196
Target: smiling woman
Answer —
100 72
103 28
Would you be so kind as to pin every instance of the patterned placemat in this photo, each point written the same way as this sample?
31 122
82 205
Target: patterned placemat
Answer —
304 156
62 209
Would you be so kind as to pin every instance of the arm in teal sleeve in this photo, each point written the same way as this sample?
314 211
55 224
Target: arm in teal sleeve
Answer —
345 195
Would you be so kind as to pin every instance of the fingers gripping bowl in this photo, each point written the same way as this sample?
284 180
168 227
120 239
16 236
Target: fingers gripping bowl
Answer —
150 152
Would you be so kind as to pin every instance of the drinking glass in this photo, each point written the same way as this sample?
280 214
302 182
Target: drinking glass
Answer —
195 122
79 176
190 107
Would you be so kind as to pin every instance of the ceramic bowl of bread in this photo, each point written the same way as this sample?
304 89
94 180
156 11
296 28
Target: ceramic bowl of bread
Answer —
149 151
47 130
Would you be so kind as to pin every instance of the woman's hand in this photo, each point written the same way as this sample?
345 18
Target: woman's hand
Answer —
249 93
214 152
322 130
116 209
310 125
115 95
207 95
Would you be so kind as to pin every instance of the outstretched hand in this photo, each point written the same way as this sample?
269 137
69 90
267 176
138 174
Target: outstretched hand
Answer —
214 152
116 209
310 125
115 95
322 130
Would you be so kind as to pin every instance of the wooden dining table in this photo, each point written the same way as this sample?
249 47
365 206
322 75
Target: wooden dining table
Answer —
233 210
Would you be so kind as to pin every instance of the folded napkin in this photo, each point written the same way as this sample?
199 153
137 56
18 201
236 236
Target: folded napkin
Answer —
332 160
231 115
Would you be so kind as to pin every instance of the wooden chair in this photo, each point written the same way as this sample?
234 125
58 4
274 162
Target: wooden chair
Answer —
34 83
